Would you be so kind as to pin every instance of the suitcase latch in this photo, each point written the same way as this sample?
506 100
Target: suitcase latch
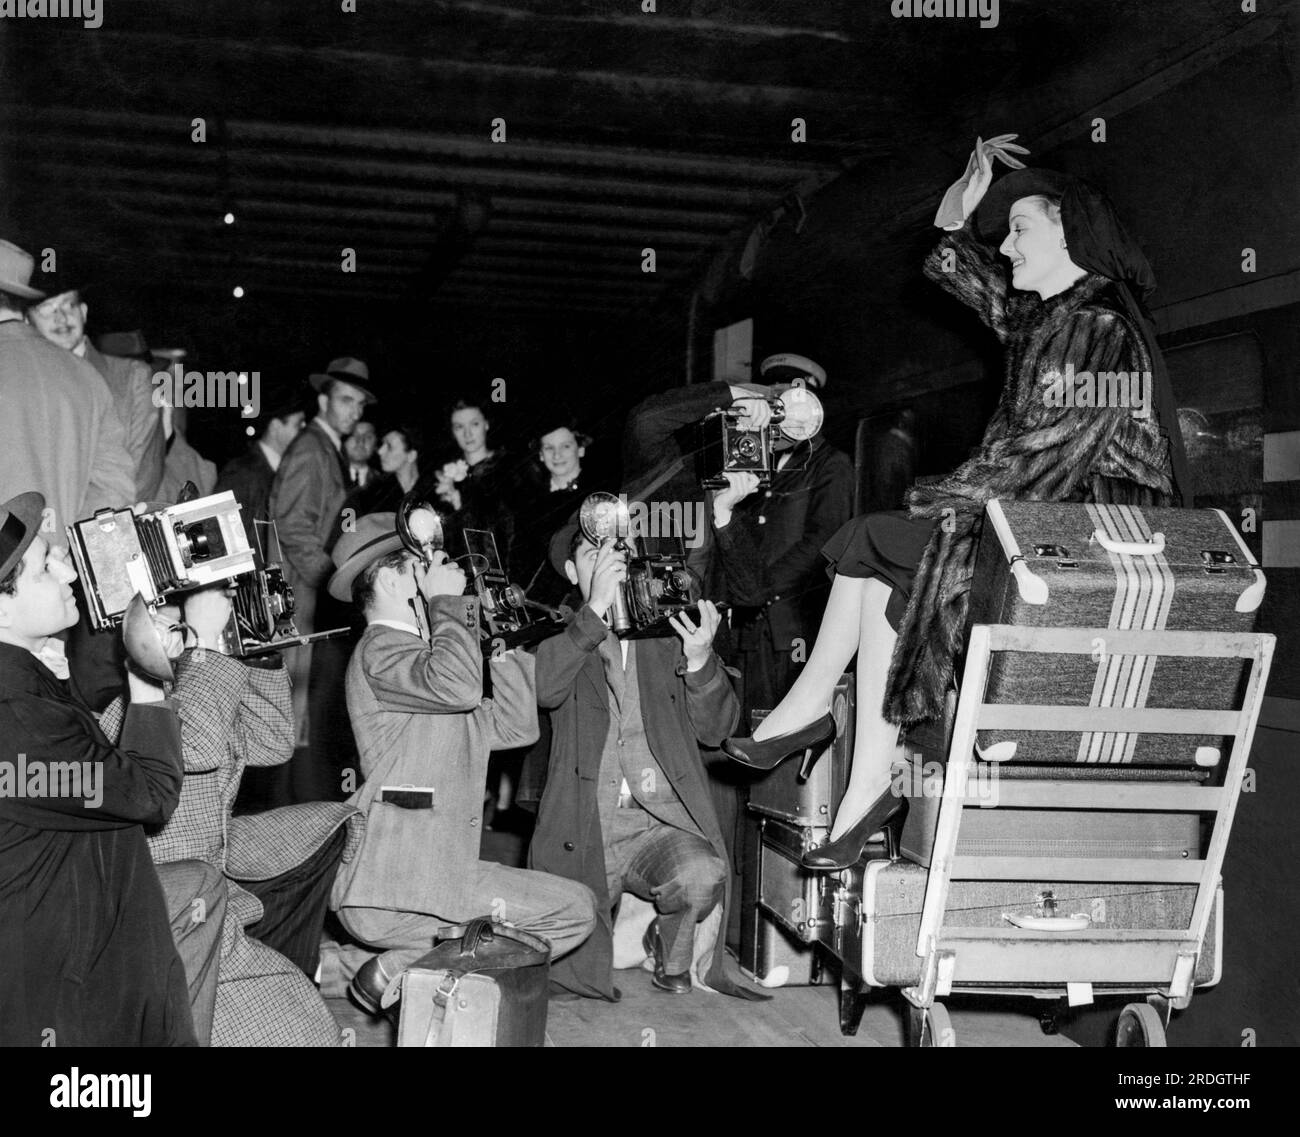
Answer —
1045 903
1060 552
1213 560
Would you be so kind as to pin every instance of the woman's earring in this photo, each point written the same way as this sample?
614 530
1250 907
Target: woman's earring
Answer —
1063 244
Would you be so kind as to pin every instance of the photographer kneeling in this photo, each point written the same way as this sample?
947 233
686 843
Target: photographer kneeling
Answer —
424 731
626 805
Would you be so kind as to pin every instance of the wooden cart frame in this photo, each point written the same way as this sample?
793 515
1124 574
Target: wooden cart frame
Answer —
1159 963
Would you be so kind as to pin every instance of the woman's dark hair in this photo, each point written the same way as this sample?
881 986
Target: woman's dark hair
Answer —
550 426
363 588
412 436
469 405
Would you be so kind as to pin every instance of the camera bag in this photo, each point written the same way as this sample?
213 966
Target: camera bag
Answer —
487 985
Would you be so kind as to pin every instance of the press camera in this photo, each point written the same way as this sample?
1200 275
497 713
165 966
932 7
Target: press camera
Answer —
727 446
505 611
180 548
175 549
658 586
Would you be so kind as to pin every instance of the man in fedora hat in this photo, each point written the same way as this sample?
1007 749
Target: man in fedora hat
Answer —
424 731
59 432
61 319
87 956
306 497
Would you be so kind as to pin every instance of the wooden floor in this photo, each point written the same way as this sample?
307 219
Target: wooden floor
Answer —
796 1016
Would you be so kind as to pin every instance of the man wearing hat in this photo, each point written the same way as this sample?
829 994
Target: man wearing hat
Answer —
59 431
250 476
424 732
61 319
306 496
88 957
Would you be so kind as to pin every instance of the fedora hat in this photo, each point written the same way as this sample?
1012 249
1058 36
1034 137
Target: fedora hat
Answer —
20 521
16 272
374 536
126 345
346 370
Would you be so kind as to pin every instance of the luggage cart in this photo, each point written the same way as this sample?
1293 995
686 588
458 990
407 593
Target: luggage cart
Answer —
1160 954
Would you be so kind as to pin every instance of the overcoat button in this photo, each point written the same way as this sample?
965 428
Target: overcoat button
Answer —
568 846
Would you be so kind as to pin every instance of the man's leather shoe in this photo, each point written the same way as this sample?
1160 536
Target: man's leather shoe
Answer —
368 986
654 945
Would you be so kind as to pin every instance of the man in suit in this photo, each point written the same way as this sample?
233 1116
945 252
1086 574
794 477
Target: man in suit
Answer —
250 476
306 496
424 731
59 432
359 447
626 804
61 319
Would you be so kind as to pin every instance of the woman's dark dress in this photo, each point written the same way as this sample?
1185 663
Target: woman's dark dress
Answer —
1033 449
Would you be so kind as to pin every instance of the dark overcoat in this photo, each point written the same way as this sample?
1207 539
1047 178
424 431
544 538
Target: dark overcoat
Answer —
86 948
682 711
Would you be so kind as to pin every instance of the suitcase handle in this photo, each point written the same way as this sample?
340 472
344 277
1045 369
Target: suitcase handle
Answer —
479 928
1152 548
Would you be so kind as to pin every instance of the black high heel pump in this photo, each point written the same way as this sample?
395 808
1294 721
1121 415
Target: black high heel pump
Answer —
771 752
886 814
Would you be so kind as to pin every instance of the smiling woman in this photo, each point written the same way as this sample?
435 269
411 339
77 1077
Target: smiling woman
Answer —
902 580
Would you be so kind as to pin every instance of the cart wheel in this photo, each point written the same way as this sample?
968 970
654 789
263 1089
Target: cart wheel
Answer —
930 1027
1139 1025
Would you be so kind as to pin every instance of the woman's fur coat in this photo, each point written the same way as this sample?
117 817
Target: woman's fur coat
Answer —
1033 449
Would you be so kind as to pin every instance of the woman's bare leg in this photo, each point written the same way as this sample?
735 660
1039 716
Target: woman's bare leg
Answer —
837 640
875 741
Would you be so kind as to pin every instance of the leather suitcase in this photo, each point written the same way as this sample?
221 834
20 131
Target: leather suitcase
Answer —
486 985
1055 564
798 900
878 913
812 801
993 832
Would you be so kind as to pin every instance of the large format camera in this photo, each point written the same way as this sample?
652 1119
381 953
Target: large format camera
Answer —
726 447
503 607
659 585
177 549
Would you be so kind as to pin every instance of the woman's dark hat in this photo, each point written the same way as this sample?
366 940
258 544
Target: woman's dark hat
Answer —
374 537
991 213
20 521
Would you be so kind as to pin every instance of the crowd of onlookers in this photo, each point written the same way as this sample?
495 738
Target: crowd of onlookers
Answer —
152 903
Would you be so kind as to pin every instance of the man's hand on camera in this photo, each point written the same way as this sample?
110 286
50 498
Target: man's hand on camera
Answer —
206 613
443 577
739 487
753 414
606 577
697 641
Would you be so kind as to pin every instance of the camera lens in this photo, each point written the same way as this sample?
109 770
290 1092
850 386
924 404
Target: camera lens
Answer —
746 446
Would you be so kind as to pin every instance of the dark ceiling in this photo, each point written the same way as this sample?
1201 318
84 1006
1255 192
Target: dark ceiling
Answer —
330 130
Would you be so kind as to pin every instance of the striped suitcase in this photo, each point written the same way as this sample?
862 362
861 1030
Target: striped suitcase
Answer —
1056 564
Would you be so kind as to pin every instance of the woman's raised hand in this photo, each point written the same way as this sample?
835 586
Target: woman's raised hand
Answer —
968 191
